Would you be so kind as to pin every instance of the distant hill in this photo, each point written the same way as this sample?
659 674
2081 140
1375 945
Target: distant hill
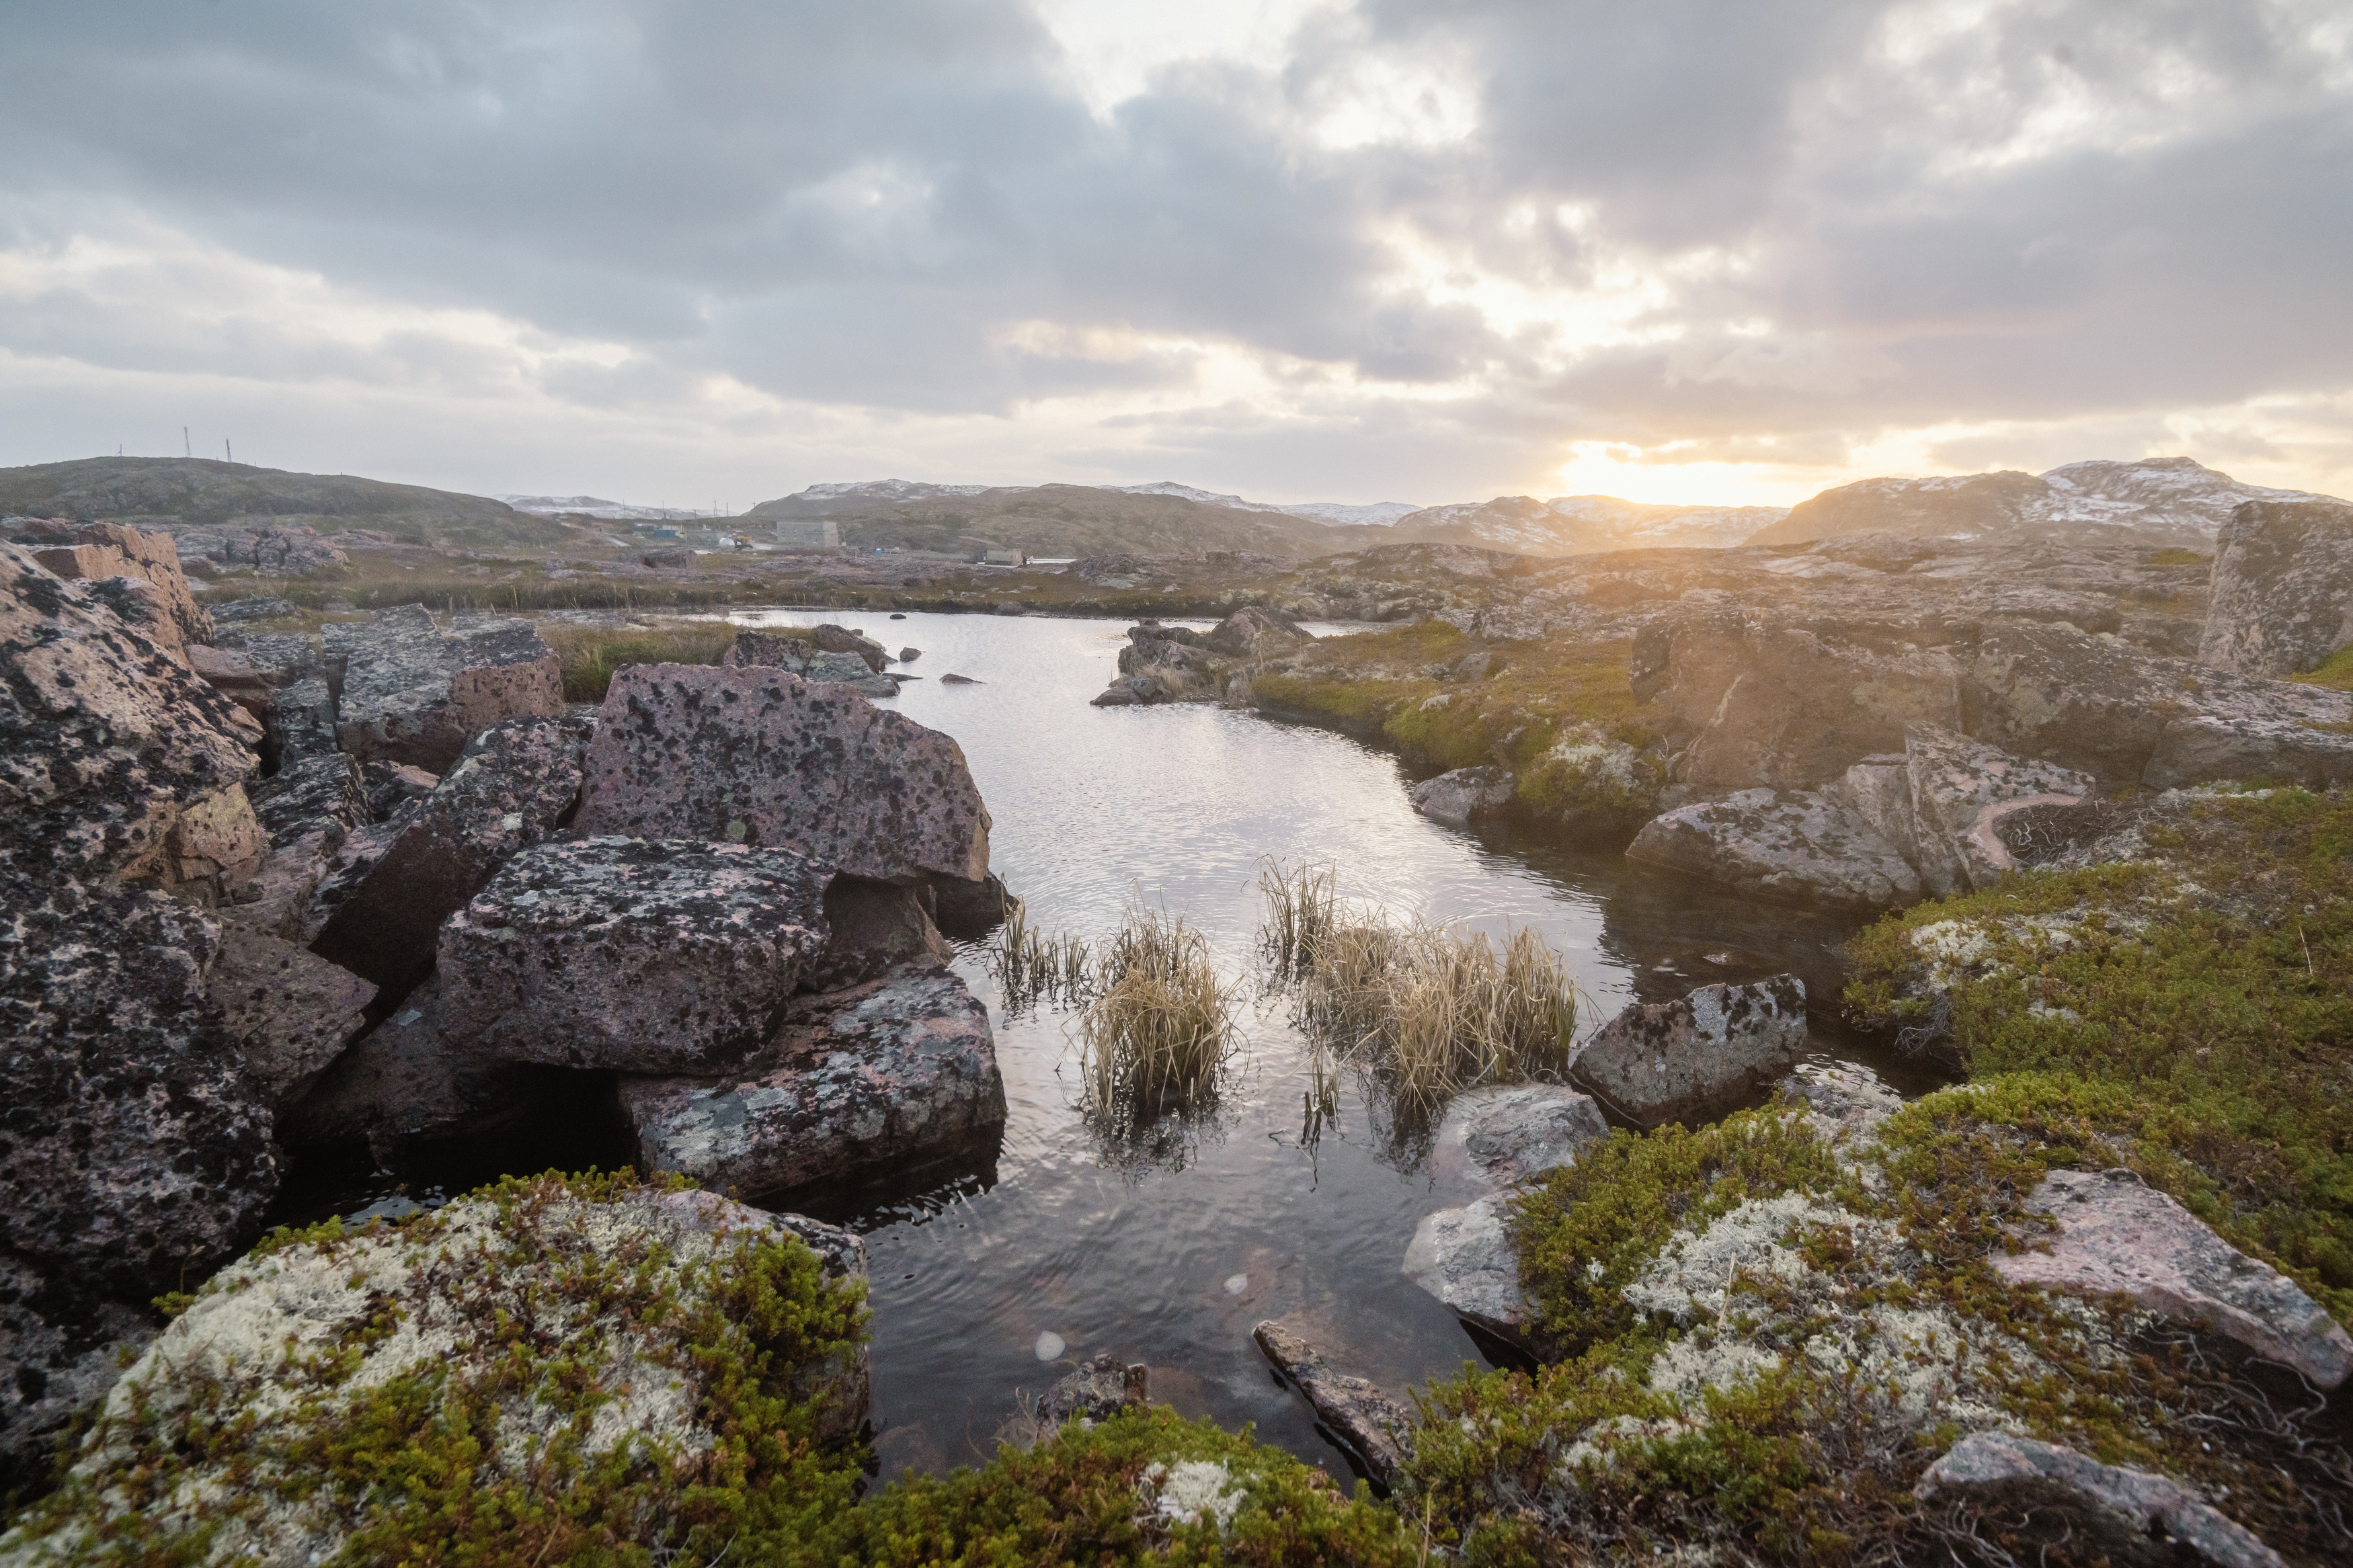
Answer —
198 490
1582 525
1057 520
2162 501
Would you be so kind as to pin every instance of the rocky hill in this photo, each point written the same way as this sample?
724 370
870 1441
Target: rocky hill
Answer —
1582 525
162 492
1055 519
2161 501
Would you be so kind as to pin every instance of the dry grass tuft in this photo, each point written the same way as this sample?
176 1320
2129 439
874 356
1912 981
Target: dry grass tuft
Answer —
1159 1033
589 655
1427 1010
1031 966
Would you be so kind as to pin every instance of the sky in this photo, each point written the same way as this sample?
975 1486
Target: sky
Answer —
1720 251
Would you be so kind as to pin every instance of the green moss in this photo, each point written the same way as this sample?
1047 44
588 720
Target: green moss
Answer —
2335 671
2195 1016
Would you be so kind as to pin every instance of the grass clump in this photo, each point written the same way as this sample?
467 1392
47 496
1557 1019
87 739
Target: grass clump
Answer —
589 655
1159 1032
1031 966
2335 671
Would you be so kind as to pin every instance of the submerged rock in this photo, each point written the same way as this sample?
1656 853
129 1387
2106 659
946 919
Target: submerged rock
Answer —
2117 1235
1464 795
1364 1415
761 757
1667 1061
630 953
891 1071
2060 1496
1099 1389
1511 1134
475 1328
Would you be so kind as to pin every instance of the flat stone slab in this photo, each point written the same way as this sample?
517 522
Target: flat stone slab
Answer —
1462 1257
630 953
2132 1516
893 1070
1511 1134
2116 1235
759 756
1368 1417
1810 848
1667 1060
1960 791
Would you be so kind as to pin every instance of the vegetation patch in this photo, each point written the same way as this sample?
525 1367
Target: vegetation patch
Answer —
589 655
1158 1032
2335 671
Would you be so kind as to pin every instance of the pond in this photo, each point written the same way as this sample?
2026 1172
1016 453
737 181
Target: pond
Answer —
991 1279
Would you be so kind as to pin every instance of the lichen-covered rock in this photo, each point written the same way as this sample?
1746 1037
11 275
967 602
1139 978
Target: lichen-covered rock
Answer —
59 1352
302 720
1464 1258
106 742
344 862
508 791
1368 1418
832 639
2117 1235
761 757
1959 790
874 927
1810 848
412 695
1462 795
1508 1134
308 793
1254 632
279 549
1099 1389
893 1071
130 1149
2042 1492
286 1011
104 550
545 1369
1666 1062
641 954
2282 587
810 662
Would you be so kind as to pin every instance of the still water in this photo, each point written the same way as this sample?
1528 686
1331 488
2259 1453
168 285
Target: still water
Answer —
991 1277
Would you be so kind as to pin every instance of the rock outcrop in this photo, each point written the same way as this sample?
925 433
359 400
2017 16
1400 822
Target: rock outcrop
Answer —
2282 595
514 783
811 660
1463 795
412 695
403 1087
1178 664
1372 1422
1509 1133
889 1073
59 1352
1464 1258
284 1011
1806 846
2118 1237
1667 1061
280 550
761 757
2054 1496
644 955
641 1295
109 549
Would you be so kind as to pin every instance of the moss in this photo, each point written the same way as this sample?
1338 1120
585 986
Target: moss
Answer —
2335 671
1081 1498
2197 1017
589 655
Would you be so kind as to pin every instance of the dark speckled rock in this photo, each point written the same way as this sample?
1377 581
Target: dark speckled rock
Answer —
761 757
889 1072
412 695
631 953
1669 1060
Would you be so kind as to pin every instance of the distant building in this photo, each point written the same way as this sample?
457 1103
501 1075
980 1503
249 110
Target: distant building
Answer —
1004 558
808 534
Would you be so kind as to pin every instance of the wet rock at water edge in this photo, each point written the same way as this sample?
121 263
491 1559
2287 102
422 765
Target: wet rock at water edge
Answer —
953 680
1365 1416
279 1349
966 911
59 1352
874 927
1099 1389
761 757
1668 1061
511 788
2061 1498
404 1086
1254 632
1463 795
895 1071
1464 1258
2117 1235
1808 849
810 662
645 955
1508 1134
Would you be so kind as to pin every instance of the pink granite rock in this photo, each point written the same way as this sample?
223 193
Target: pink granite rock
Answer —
2118 1236
286 1011
110 550
404 1084
633 953
2060 1496
759 756
106 740
889 1072
1668 1060
411 694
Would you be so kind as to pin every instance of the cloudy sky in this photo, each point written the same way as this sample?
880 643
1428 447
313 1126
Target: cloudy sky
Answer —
692 250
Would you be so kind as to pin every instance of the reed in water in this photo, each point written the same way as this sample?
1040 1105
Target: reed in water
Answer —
1031 966
1159 1031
